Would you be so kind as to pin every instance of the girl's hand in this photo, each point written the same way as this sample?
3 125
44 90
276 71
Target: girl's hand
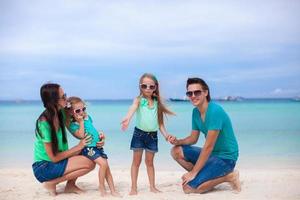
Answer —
85 141
78 118
125 123
173 140
102 139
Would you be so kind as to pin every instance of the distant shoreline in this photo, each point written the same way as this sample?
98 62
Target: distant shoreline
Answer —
292 99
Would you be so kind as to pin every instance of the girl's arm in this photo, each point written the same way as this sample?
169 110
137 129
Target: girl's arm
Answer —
68 153
164 131
80 132
131 111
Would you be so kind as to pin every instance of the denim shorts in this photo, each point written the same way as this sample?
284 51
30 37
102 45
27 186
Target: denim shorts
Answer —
93 153
47 170
144 140
214 167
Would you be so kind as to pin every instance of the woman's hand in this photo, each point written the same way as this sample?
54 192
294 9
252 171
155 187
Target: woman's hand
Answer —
85 141
100 144
125 123
187 177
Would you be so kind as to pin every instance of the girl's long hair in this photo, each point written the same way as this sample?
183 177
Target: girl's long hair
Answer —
161 107
50 96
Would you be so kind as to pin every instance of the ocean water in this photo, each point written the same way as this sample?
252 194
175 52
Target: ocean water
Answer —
268 131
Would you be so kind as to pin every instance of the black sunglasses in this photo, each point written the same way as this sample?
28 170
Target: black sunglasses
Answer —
64 96
79 110
146 86
196 93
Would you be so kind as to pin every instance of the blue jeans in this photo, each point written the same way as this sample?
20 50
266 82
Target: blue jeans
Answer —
47 170
144 140
214 167
93 153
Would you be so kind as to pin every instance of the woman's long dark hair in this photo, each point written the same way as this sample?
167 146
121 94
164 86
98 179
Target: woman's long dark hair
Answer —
50 96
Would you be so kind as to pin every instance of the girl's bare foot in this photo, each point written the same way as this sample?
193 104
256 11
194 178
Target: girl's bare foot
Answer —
71 188
50 187
103 193
154 190
133 192
234 181
116 194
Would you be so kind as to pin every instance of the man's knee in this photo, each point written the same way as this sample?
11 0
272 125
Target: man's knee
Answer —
176 152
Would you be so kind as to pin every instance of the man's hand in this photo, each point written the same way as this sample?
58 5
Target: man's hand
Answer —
187 177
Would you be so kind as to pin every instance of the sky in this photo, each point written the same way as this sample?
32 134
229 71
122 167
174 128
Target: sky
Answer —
98 49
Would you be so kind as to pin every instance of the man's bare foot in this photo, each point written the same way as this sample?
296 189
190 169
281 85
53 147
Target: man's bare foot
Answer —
133 192
71 188
155 190
50 187
116 194
234 181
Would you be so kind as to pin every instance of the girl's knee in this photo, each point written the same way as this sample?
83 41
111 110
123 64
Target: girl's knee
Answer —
149 162
136 162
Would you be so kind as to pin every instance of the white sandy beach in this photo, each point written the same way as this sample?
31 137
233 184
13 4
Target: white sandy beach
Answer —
281 183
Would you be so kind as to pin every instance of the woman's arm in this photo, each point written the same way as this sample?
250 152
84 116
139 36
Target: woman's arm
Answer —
210 141
68 153
126 120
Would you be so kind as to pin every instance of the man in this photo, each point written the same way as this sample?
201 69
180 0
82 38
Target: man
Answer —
214 163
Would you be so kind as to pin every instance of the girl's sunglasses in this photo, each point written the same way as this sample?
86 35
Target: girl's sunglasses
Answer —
79 110
146 86
196 93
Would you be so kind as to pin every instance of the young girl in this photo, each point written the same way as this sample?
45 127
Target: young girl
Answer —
80 125
149 118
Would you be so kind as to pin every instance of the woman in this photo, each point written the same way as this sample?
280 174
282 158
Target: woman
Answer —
53 161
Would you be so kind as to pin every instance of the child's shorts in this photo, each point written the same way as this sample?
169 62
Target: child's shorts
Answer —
93 153
214 167
47 170
144 140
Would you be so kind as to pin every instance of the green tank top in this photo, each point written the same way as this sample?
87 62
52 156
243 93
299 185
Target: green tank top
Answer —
146 117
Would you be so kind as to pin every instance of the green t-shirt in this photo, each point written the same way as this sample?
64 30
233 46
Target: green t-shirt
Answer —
216 118
40 153
146 118
89 129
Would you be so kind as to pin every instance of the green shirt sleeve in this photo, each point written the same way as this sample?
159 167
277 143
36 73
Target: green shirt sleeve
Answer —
45 131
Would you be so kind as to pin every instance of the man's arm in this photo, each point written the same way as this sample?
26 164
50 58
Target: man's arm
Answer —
210 141
191 139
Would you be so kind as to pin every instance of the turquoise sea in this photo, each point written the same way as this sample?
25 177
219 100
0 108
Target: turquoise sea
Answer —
268 131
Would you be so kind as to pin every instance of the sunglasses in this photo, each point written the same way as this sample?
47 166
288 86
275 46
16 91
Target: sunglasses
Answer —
79 110
196 93
63 97
146 86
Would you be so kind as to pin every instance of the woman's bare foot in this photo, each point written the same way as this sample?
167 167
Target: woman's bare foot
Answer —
155 190
72 188
133 192
234 181
51 188
116 194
